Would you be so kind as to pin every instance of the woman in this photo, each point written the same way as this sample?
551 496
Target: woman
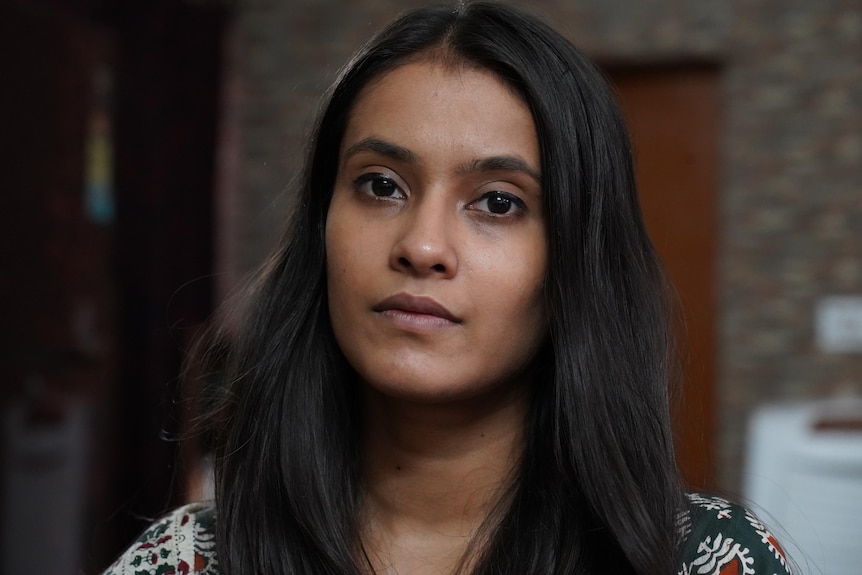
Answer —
458 360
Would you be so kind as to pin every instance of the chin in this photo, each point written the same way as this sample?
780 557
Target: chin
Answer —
443 389
415 391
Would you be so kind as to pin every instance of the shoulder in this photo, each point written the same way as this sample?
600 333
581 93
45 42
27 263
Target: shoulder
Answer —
182 542
723 538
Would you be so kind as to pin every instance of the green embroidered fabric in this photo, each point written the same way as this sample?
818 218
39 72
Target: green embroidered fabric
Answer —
719 538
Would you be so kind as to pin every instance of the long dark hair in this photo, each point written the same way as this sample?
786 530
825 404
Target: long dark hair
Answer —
597 489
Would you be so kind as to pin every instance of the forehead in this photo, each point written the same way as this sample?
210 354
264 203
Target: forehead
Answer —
436 68
440 103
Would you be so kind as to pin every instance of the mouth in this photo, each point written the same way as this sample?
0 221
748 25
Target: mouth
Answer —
419 307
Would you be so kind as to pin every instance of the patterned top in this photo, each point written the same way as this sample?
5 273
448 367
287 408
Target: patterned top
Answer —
719 538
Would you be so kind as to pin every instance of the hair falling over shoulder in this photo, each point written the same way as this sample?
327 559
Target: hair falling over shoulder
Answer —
597 489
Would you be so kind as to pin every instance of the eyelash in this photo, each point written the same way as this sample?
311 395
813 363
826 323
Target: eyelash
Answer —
373 178
514 201
361 184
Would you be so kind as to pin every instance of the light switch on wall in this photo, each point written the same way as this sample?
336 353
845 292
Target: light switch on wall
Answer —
838 324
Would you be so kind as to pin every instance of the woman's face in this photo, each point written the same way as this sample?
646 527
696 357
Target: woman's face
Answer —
435 237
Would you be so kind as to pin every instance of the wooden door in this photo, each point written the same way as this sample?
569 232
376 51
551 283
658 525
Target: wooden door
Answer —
673 116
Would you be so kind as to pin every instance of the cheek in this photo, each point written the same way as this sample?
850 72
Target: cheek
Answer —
534 296
348 253
530 311
351 255
337 257
340 234
515 295
526 269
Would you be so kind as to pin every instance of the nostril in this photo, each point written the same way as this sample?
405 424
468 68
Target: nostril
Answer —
421 265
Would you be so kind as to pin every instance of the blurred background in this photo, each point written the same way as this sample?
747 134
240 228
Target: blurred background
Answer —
148 149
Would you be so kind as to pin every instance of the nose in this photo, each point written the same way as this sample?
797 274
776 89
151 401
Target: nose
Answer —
425 245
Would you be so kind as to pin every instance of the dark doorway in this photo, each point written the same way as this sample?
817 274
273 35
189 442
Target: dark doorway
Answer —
673 113
99 302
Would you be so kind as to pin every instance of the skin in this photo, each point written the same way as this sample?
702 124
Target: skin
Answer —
436 256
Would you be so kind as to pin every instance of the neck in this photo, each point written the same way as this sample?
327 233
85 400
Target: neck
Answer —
433 475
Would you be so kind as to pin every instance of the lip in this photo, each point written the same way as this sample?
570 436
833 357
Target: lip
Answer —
417 308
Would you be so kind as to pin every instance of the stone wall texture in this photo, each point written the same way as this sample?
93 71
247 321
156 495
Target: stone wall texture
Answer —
790 196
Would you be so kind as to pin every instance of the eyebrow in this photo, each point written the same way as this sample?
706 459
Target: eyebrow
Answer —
506 162
381 147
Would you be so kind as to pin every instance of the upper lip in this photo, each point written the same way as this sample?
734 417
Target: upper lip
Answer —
415 304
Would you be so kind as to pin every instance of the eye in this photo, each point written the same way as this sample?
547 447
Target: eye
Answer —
499 203
378 185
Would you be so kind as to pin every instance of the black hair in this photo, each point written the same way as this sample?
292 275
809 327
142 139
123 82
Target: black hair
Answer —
597 489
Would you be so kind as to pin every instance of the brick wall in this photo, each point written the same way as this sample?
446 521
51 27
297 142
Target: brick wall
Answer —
790 198
792 203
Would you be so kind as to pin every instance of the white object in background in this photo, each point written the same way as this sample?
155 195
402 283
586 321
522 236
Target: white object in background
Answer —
43 491
838 324
804 475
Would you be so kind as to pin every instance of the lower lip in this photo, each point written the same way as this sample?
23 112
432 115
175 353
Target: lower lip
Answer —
416 321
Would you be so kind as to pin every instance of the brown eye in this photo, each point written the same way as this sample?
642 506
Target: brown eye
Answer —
499 203
378 185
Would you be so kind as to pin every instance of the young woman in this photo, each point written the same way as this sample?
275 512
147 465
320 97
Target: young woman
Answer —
458 360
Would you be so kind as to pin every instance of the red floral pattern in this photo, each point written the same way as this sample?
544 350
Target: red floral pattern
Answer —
181 543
